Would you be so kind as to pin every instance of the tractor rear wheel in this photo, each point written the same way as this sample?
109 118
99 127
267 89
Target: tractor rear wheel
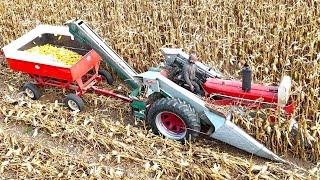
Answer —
174 119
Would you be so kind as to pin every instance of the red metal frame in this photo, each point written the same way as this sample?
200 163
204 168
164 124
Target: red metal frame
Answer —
289 108
106 92
230 93
267 94
88 86
73 73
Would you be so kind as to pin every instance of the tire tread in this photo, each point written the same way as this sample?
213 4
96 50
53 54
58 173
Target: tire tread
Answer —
179 107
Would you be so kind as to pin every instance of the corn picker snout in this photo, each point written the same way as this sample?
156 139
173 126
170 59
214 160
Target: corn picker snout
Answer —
170 109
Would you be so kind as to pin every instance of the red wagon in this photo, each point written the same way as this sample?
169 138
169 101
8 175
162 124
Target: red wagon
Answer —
47 71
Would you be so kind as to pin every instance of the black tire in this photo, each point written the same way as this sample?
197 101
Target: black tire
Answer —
179 108
107 76
153 98
74 102
32 91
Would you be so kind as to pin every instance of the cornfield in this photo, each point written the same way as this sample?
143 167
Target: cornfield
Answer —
275 38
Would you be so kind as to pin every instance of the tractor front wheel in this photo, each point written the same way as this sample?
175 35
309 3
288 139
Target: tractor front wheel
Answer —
174 119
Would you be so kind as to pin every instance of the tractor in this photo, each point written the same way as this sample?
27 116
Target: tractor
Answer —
221 91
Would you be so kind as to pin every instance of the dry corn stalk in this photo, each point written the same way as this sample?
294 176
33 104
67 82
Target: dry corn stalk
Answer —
273 37
116 147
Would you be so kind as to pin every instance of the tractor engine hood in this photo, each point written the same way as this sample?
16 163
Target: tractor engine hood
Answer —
259 93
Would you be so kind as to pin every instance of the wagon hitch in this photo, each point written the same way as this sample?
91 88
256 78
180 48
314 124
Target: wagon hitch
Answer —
106 92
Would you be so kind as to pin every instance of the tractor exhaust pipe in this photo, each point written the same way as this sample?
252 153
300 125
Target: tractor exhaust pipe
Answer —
246 78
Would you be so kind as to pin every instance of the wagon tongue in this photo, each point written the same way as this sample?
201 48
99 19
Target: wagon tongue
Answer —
235 136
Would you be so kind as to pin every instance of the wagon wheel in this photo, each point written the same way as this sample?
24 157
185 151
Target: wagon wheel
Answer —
173 118
32 91
74 102
106 76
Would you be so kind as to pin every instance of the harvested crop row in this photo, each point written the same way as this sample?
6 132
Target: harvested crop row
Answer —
125 144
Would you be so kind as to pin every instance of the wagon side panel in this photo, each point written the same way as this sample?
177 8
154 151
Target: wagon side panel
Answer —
40 69
87 62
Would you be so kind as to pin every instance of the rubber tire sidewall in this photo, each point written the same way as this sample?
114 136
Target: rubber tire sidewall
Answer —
76 99
37 93
179 108
108 77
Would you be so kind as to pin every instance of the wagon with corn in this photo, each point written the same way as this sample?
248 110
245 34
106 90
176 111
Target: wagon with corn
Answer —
51 56
169 109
